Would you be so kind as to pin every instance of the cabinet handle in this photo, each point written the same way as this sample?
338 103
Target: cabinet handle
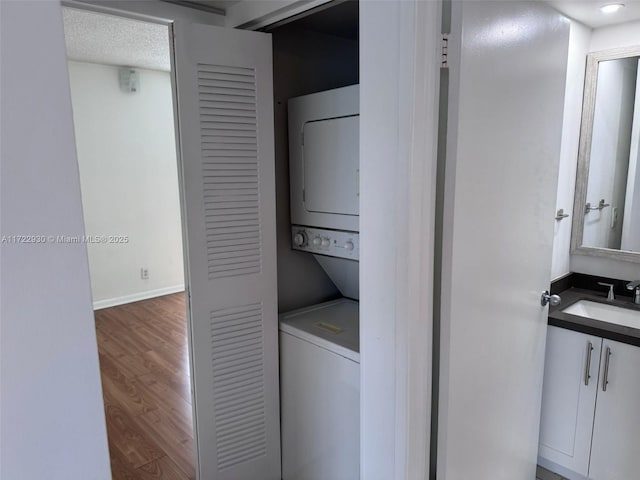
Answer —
587 369
605 377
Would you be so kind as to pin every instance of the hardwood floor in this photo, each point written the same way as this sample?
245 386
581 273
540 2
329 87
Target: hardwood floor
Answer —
544 474
144 364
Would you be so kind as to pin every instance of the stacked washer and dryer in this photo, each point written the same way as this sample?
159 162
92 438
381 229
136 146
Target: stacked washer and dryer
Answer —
319 345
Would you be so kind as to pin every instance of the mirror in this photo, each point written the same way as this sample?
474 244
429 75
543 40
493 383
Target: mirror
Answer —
606 215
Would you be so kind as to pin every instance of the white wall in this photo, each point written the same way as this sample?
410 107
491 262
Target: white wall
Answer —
579 39
616 36
605 267
610 147
129 180
51 414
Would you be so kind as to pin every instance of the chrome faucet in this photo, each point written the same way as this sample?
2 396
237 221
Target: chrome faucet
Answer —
610 295
635 285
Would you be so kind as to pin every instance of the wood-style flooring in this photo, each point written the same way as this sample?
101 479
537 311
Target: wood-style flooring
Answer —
144 364
547 475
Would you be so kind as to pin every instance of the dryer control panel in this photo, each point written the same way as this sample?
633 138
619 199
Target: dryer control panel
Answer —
334 243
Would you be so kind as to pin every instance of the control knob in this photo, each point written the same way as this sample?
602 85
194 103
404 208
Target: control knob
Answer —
349 245
300 239
317 241
325 242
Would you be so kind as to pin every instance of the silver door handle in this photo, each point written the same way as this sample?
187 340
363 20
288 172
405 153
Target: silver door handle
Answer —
605 376
560 214
587 370
547 298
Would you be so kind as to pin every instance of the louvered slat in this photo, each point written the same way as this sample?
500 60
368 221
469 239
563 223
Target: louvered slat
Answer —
227 103
237 353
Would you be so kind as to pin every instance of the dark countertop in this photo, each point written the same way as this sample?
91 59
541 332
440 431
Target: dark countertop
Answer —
619 333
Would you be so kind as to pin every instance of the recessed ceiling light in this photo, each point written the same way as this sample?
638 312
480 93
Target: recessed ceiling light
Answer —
611 8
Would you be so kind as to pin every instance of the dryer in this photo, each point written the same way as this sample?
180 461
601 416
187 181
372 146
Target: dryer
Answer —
324 176
324 166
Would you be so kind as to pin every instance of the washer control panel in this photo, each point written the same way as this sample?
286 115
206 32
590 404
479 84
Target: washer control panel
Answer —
334 243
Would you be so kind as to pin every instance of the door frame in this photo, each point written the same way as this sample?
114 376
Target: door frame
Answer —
252 15
397 216
179 166
397 235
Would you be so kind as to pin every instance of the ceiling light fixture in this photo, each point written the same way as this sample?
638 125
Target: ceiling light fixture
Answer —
611 8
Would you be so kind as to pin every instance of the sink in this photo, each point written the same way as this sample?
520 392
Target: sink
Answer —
605 313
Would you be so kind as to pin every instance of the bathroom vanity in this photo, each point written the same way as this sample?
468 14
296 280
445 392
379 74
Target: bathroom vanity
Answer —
590 424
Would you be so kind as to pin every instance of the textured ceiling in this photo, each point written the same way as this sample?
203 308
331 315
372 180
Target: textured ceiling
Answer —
588 11
107 39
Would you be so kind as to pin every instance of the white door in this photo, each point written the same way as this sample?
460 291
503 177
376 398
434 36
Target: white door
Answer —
615 453
569 393
508 65
225 115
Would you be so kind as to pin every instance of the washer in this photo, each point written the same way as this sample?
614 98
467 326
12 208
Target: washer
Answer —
320 392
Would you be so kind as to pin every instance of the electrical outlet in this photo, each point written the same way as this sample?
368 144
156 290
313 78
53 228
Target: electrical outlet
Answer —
144 273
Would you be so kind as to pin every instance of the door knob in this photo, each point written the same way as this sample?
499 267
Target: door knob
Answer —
547 298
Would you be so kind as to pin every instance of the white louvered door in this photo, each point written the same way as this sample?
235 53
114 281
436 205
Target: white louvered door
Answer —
225 115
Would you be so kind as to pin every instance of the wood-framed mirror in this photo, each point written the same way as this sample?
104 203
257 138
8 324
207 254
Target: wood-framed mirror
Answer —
606 213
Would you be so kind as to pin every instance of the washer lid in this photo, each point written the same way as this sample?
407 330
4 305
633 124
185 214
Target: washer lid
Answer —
332 325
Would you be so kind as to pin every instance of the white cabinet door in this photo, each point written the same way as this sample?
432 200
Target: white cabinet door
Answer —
615 452
569 398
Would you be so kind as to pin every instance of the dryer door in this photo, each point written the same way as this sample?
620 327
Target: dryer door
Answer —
331 170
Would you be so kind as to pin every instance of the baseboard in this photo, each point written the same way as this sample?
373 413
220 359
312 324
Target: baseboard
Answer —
136 297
